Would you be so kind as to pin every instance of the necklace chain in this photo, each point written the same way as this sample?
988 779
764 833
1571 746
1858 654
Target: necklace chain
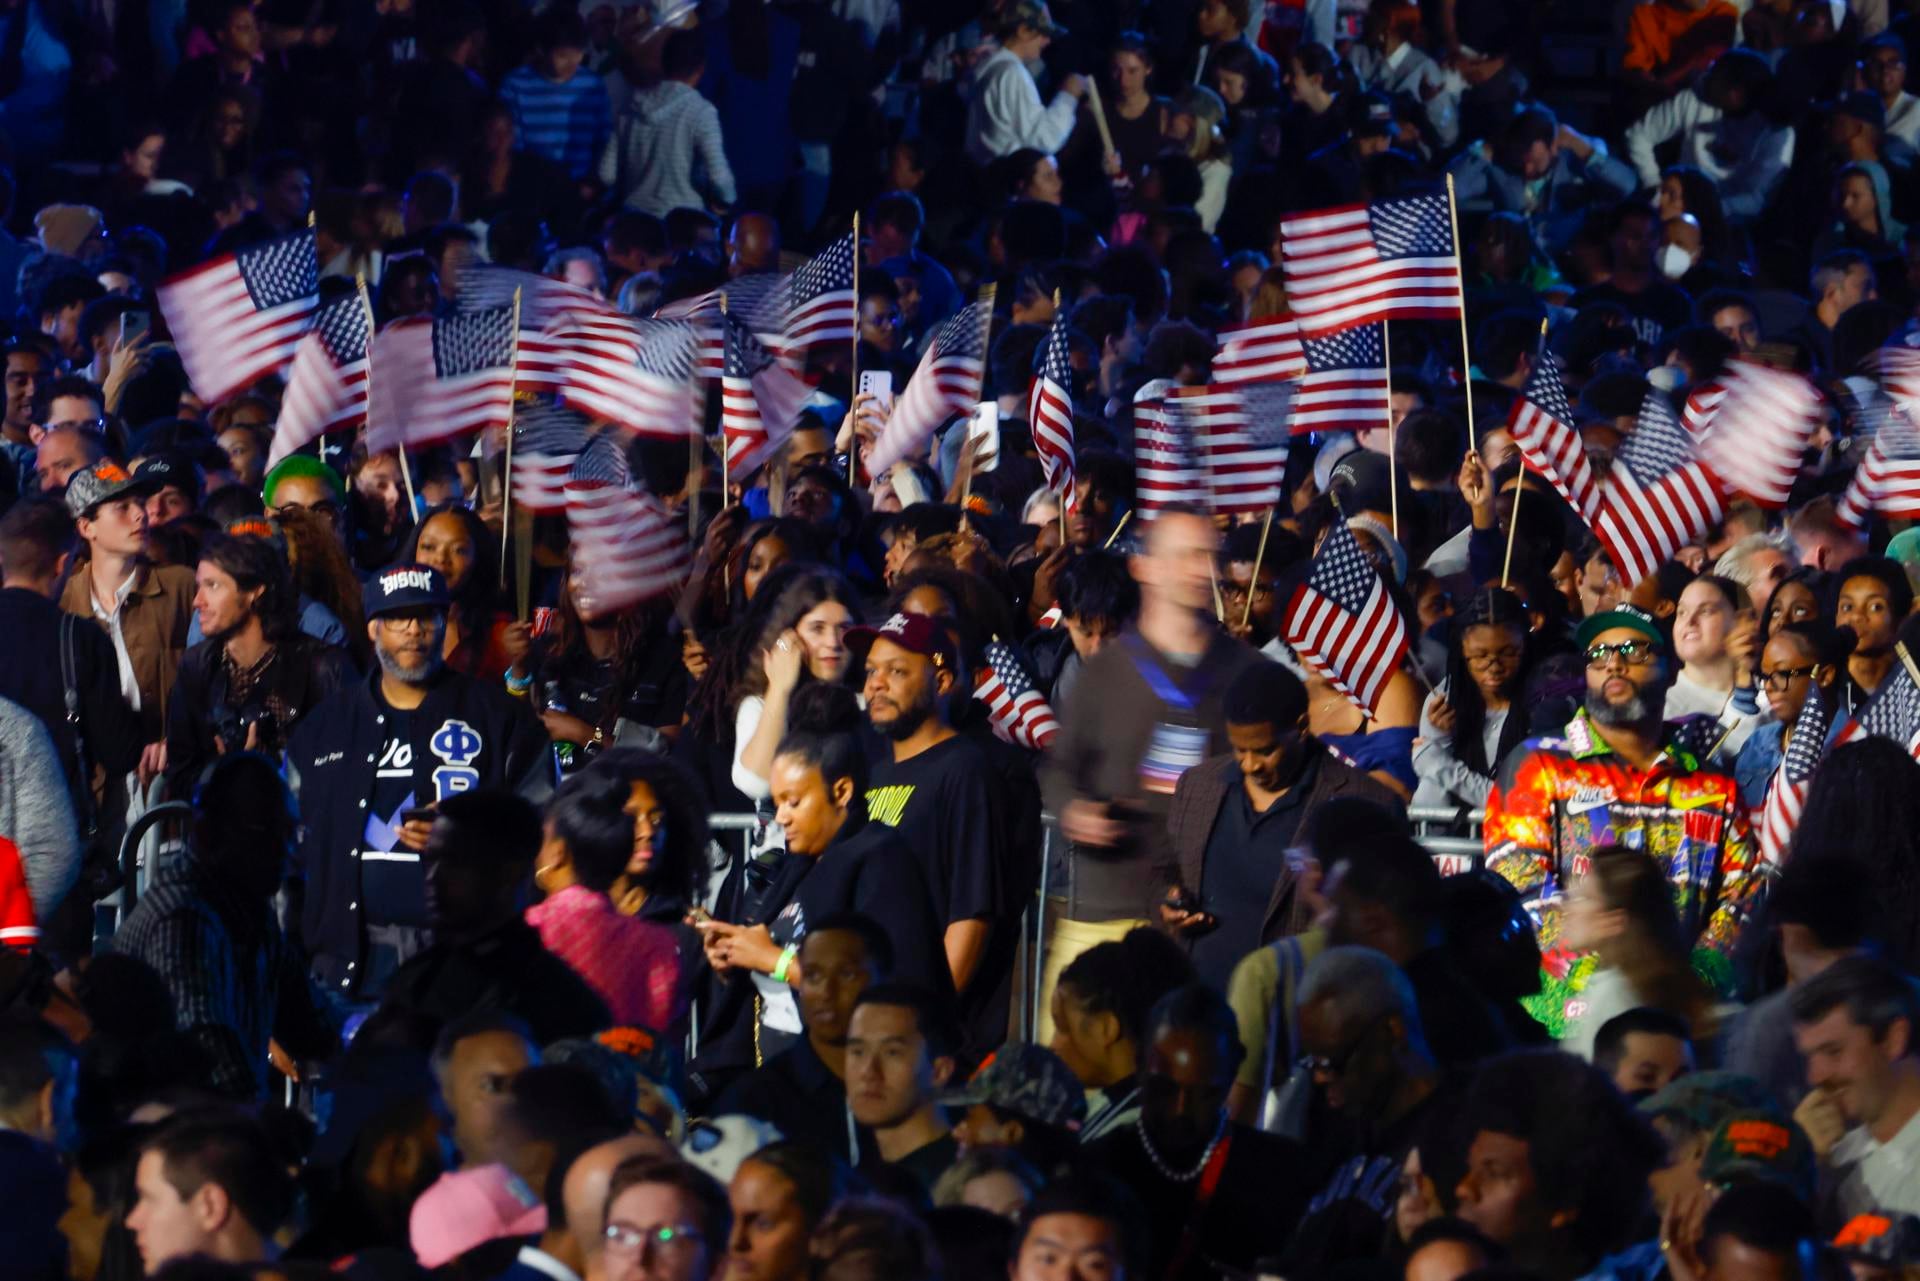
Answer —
1160 1163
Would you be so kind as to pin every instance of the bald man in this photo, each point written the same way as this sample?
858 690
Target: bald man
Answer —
753 246
585 1192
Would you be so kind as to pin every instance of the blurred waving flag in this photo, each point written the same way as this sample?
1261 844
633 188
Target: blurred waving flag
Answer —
639 377
1703 402
817 304
1391 259
1050 411
1345 386
759 400
1018 712
1894 710
1343 624
1541 423
946 383
241 316
1759 430
1262 351
543 300
440 378
547 438
327 386
1239 440
1659 497
626 546
1787 797
1888 478
1165 466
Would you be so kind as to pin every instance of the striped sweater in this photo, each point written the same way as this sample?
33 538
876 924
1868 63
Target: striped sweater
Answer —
567 122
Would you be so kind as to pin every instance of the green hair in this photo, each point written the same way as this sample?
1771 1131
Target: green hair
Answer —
301 465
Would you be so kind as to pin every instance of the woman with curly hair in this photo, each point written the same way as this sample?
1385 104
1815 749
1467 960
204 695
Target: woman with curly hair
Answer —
323 574
482 639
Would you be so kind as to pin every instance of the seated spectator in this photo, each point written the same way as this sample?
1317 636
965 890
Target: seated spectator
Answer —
1727 131
1547 172
1644 1050
1670 41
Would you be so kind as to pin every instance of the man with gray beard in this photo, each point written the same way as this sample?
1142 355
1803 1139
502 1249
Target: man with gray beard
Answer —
1621 775
369 765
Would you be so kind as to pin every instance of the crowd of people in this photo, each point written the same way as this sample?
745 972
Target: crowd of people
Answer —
963 867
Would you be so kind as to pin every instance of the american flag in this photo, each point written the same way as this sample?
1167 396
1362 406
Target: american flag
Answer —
1787 797
1702 403
1345 386
1018 712
1262 351
1541 423
546 440
241 316
1165 466
327 387
1893 712
1050 411
946 383
1343 624
817 304
1359 263
626 546
1659 497
1240 442
440 378
759 400
1759 431
753 300
1888 478
546 307
640 378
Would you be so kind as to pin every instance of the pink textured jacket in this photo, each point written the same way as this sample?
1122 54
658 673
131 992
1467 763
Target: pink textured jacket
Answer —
634 965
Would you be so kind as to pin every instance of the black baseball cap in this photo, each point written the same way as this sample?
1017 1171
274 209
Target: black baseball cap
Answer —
400 588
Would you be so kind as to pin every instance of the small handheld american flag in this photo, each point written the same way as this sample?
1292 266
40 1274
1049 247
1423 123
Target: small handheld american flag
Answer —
626 547
546 441
1050 411
1166 468
438 379
1659 497
1759 430
1261 351
817 304
1888 478
1345 386
641 378
1240 442
1541 422
1355 264
759 400
1343 624
1787 797
1892 713
239 317
946 384
327 386
1019 713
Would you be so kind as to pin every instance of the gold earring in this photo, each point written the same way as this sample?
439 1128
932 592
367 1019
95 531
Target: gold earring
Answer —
539 875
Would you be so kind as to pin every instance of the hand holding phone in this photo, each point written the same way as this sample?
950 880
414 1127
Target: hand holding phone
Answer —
878 383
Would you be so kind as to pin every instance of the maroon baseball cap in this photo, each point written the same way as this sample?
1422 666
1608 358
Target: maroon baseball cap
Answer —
914 632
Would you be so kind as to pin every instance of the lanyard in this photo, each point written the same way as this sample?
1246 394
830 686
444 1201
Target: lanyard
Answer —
1160 682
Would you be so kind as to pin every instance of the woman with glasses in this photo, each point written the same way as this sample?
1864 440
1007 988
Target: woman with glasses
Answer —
1472 722
1801 660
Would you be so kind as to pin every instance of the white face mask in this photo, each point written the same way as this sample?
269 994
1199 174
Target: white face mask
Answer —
1670 379
1675 262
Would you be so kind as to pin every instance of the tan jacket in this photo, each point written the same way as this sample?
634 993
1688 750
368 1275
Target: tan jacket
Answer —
154 621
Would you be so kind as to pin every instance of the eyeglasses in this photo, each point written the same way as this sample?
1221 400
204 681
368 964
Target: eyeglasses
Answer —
624 1238
409 622
1778 679
1321 1065
1633 653
1499 658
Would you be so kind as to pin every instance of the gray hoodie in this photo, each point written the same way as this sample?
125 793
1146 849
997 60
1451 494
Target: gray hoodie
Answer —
36 813
666 152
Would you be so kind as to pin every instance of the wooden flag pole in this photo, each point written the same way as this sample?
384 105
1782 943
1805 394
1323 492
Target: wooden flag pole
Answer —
1520 485
1099 116
1253 584
406 472
1393 474
1219 605
726 493
1119 525
506 473
853 378
1466 351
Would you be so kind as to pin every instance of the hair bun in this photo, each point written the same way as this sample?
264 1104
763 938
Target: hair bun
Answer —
820 707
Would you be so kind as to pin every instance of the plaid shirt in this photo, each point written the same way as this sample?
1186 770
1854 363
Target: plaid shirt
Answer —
235 979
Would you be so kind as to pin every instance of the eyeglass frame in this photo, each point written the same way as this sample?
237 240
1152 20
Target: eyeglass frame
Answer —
628 1239
1626 651
1772 685
1336 1068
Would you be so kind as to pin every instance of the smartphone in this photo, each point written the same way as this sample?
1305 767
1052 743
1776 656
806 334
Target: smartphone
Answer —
134 326
419 814
878 383
986 426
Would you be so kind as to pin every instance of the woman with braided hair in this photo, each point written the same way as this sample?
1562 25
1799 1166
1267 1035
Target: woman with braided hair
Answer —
1099 1019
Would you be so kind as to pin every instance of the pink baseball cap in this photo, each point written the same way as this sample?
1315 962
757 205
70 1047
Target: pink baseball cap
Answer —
469 1208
